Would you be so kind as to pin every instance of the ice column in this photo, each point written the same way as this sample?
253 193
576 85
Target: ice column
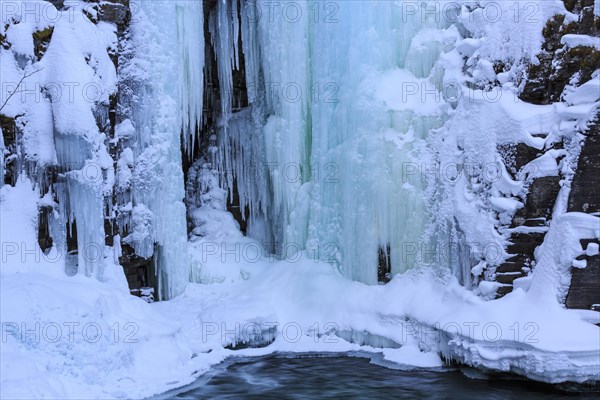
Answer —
169 58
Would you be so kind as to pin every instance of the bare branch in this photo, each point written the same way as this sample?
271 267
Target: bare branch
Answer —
25 76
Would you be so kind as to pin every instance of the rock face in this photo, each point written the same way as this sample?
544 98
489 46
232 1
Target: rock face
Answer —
545 85
585 197
585 189
9 135
584 292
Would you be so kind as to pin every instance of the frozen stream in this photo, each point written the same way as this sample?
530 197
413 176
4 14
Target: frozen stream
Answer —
355 377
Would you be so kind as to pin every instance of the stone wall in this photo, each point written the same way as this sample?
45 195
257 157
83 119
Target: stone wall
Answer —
545 84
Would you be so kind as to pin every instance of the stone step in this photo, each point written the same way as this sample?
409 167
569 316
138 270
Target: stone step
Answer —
525 243
536 222
508 278
510 267
522 259
504 290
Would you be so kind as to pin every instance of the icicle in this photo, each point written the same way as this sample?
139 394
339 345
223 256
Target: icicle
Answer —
85 207
224 31
160 113
190 25
241 156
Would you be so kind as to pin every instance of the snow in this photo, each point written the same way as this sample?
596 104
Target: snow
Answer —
561 246
505 204
592 249
530 330
124 129
572 40
589 92
512 30
412 356
74 337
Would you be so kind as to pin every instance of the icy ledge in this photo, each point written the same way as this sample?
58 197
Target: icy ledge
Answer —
424 313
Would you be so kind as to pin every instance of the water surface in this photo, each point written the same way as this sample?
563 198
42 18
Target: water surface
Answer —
357 378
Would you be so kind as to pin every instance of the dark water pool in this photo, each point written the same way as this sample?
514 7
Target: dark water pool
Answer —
357 378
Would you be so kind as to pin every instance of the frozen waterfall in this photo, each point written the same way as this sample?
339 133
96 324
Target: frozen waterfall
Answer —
331 153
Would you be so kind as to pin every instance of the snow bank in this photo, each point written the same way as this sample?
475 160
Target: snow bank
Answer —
560 248
424 313
76 337
573 40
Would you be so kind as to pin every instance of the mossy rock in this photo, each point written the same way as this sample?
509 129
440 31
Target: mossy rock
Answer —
570 4
581 59
44 34
577 5
90 16
552 32
557 64
3 42
569 28
41 40
115 11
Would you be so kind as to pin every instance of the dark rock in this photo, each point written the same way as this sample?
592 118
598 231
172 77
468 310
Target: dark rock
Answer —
541 198
59 4
115 11
44 238
9 130
524 155
525 243
504 290
208 5
10 156
534 222
538 209
510 267
507 278
234 207
72 237
384 268
522 259
585 188
136 268
4 43
547 80
585 197
585 282
577 5
545 84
